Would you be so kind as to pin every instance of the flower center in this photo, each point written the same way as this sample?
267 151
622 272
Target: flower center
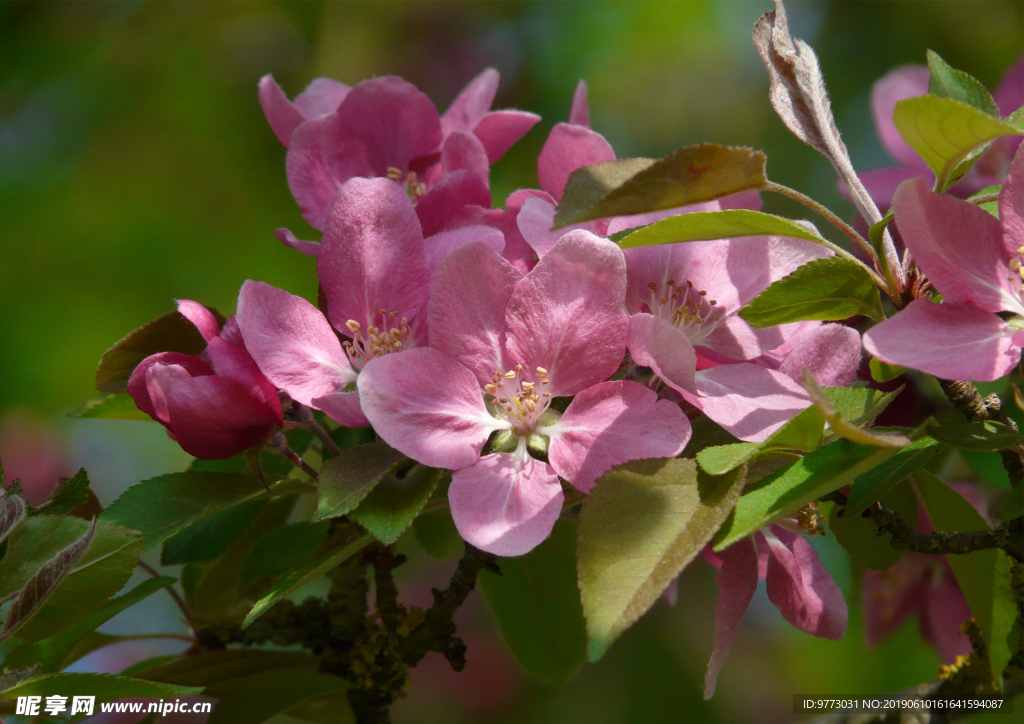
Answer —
686 307
805 520
1017 266
519 400
415 187
391 336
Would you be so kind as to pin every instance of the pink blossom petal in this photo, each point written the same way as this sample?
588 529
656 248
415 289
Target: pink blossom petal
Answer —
506 503
233 362
395 120
472 103
612 423
463 151
1009 95
201 317
466 313
342 407
1011 207
567 314
737 582
579 114
893 595
907 81
292 342
500 130
801 588
748 400
568 148
448 197
535 221
750 200
934 228
944 612
323 154
882 183
282 116
736 339
321 97
517 252
138 386
428 406
439 245
831 352
951 341
231 333
516 199
372 255
655 343
309 248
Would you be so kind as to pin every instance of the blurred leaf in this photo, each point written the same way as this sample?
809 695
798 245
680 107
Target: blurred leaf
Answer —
209 537
984 576
71 494
860 536
874 484
105 687
789 488
393 503
59 651
640 526
988 436
282 549
169 333
803 432
1013 507
162 506
435 530
216 670
883 371
689 175
111 407
329 708
840 426
536 603
946 81
307 573
254 699
831 288
347 479
44 582
727 224
947 134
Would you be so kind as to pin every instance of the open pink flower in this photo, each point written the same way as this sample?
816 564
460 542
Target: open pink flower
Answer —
685 298
909 81
503 346
963 337
796 581
215 405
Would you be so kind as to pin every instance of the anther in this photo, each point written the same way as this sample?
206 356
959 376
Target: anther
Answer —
510 375
394 174
541 372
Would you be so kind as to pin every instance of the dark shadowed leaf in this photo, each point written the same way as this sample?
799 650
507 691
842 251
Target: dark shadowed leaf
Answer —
640 526
282 549
727 224
394 502
946 81
105 687
216 670
883 371
111 407
986 436
348 478
831 288
874 484
536 603
690 175
71 494
209 537
256 698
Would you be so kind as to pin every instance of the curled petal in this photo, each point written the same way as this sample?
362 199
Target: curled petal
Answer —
612 423
737 581
500 130
342 407
749 401
200 316
282 116
568 148
579 114
309 248
138 386
801 588
472 103
506 504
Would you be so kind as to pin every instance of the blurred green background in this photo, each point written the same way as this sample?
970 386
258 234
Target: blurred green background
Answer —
136 167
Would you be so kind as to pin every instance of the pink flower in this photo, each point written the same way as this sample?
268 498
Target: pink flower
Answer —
796 581
830 351
963 337
503 346
215 405
909 81
685 298
385 127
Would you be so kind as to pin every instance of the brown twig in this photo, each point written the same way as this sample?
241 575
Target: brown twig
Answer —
969 402
178 600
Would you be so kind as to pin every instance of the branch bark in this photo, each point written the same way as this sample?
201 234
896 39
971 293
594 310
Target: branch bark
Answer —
966 398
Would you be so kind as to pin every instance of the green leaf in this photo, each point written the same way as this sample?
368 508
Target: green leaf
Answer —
861 405
947 134
283 549
164 505
218 670
169 333
536 603
12 512
640 526
828 289
874 484
727 224
63 649
792 487
877 234
986 436
105 687
984 576
394 502
803 433
1013 506
990 206
860 536
111 407
883 371
329 708
948 82
706 433
73 493
689 175
436 532
840 426
254 699
348 478
302 575
210 537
